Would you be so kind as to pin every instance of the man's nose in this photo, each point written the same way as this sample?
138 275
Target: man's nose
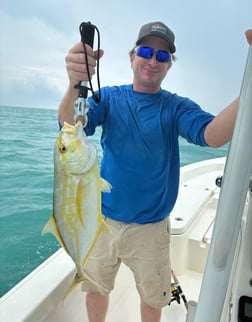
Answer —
153 61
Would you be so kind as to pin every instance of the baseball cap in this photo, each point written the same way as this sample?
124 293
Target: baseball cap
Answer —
157 29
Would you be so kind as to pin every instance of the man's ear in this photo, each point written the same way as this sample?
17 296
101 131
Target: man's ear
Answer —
169 65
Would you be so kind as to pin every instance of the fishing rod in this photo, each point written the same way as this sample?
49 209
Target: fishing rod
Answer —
87 32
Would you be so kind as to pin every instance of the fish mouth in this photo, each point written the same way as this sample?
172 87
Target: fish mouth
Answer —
80 166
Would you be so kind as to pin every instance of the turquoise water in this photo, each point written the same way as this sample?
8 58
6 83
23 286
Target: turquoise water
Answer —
26 171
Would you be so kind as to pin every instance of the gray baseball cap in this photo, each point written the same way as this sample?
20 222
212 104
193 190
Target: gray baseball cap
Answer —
157 29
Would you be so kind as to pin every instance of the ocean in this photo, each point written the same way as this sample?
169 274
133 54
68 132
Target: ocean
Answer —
26 187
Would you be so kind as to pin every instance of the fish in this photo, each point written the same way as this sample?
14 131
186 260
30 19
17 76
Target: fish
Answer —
77 219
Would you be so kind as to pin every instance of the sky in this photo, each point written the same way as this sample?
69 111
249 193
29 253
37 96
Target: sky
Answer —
36 36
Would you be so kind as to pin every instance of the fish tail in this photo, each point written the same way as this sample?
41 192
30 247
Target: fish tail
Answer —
71 289
77 280
89 279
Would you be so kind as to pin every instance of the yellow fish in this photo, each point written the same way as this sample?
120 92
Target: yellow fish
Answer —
77 220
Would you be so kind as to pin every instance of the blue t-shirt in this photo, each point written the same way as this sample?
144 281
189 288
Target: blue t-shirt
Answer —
140 149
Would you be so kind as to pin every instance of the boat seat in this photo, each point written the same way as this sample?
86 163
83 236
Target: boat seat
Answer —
191 200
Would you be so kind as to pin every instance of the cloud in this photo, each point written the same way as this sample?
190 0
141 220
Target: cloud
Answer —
32 87
211 47
56 14
32 67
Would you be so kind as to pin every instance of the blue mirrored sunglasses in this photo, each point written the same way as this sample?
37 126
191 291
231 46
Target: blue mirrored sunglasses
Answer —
162 56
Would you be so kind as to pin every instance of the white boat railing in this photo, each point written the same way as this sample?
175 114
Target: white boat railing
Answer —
238 170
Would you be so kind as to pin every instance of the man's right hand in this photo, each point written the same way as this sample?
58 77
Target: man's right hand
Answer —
76 64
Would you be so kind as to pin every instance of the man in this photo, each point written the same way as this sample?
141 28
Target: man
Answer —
141 123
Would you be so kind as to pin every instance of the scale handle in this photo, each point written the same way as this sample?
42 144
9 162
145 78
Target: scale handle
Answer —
87 31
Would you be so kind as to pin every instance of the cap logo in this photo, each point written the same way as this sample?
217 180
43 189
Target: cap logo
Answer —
158 28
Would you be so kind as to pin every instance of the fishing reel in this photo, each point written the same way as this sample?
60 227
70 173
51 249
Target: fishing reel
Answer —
177 293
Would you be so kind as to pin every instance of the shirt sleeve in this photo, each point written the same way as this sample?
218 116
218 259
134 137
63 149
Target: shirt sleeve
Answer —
192 121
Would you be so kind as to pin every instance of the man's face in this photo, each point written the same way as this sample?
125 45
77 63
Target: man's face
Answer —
149 73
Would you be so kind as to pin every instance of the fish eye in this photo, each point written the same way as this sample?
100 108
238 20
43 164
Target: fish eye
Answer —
62 149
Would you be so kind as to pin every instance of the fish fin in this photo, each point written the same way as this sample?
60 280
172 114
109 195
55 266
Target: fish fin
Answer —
105 185
52 228
76 282
105 226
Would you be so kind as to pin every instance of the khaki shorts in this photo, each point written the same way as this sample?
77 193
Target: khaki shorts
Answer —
145 249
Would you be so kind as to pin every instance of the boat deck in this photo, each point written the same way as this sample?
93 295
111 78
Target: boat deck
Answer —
124 301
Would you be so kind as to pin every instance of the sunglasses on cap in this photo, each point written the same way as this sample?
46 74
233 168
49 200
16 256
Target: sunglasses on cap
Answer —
162 56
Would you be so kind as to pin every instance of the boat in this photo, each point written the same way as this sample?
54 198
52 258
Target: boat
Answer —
39 296
211 248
